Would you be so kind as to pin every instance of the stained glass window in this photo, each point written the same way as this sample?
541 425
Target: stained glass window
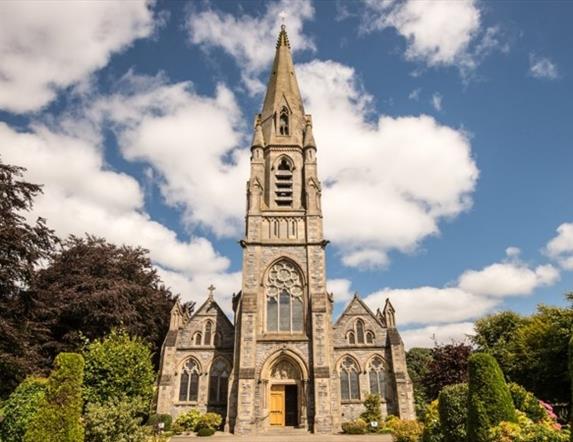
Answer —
376 377
189 382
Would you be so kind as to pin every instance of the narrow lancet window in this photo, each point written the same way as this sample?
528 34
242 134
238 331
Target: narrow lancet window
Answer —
284 121
284 183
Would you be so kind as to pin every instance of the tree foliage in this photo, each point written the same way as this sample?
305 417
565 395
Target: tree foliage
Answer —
453 410
372 412
94 286
23 245
418 360
115 421
59 416
117 367
20 408
530 349
448 366
489 399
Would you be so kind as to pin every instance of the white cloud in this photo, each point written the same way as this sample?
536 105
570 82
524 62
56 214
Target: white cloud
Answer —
47 46
560 248
508 279
431 305
248 39
437 101
82 195
401 175
438 32
542 67
340 288
444 334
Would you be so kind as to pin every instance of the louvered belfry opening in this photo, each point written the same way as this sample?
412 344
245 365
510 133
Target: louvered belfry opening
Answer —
283 184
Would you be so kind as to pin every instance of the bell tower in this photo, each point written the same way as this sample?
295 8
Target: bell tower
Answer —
283 310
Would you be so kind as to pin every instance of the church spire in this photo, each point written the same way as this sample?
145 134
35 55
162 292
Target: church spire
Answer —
282 118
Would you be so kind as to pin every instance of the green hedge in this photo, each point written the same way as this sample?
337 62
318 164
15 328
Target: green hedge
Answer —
453 410
489 399
59 417
20 408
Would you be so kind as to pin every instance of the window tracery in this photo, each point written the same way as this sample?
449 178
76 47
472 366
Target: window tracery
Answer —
219 381
376 376
189 382
349 384
284 293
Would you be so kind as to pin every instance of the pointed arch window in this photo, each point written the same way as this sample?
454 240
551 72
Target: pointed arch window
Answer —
283 182
349 384
197 338
369 337
376 377
351 337
208 333
285 311
189 382
219 382
360 331
284 121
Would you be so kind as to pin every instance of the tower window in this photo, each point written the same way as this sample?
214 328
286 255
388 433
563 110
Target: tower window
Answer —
283 121
284 299
283 183
349 387
189 382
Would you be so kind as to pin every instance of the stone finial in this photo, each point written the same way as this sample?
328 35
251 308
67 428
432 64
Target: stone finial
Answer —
308 136
283 38
258 138
389 314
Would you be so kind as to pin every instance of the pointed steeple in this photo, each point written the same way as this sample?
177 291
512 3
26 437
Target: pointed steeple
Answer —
282 118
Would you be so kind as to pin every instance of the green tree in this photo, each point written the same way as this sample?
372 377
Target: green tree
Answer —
117 367
20 408
22 246
453 410
59 417
418 360
489 399
94 286
115 421
372 411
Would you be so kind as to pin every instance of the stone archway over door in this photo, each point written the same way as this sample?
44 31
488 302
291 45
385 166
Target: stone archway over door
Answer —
285 388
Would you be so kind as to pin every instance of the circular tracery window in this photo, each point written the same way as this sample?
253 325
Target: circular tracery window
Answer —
284 298
283 275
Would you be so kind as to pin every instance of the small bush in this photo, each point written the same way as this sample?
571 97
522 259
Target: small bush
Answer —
527 402
155 419
206 431
115 421
20 408
489 399
372 413
525 430
404 430
453 410
432 425
188 421
209 420
357 426
59 416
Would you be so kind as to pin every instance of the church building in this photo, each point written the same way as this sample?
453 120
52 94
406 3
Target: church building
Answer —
282 362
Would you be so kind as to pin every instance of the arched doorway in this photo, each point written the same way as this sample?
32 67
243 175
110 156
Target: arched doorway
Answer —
284 382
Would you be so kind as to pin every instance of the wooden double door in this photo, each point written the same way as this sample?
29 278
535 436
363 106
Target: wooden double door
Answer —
284 405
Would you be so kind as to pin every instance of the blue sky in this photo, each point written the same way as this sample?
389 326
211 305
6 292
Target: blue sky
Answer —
443 128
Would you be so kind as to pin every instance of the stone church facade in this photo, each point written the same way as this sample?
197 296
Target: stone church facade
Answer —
282 362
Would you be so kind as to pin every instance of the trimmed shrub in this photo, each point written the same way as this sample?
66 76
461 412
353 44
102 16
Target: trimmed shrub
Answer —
155 419
188 421
115 421
489 399
209 420
206 431
453 410
20 408
373 412
59 416
571 381
357 426
404 430
118 366
432 425
527 402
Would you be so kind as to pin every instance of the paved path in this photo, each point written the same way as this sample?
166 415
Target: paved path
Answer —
288 437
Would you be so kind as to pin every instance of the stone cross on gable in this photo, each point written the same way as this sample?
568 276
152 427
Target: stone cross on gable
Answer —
211 289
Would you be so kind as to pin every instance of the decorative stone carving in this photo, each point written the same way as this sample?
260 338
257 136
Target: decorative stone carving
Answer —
284 370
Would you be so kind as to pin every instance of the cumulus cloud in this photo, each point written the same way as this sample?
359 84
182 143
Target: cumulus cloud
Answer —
192 143
560 248
47 46
431 305
247 38
438 33
82 195
542 67
426 336
340 288
404 174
